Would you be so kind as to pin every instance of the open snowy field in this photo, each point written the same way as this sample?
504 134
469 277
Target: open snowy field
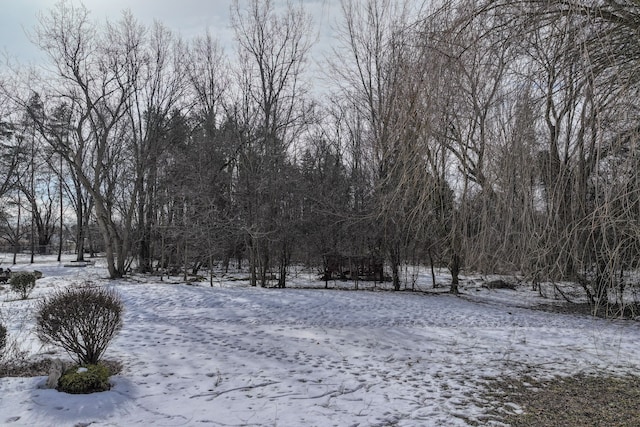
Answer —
231 355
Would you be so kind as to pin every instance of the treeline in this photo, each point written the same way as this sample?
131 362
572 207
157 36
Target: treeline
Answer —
491 136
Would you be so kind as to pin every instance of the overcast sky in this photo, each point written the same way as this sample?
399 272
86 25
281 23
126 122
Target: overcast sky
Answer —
186 17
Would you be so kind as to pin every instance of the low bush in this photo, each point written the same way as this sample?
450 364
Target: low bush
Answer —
22 283
85 379
82 320
13 359
3 339
22 366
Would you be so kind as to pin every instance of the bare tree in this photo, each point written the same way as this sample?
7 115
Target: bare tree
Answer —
272 49
385 77
92 72
156 73
9 151
578 63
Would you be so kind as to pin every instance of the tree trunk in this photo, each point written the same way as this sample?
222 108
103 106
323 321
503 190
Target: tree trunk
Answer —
253 261
110 241
433 271
395 272
454 268
17 235
61 214
284 264
264 266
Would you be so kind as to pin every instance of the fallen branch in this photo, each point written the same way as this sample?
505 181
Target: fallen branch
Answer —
333 393
218 393
562 293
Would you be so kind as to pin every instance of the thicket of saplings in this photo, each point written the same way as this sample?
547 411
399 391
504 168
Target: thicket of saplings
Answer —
82 320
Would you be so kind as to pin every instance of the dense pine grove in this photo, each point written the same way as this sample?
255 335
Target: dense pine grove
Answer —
492 136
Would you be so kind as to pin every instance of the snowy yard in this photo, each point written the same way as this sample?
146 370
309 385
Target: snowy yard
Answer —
195 355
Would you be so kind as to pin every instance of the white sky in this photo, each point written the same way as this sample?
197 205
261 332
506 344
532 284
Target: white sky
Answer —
187 18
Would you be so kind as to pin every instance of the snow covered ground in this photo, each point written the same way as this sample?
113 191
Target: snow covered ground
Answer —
232 355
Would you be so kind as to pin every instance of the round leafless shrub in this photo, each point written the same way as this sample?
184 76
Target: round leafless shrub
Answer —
22 283
81 320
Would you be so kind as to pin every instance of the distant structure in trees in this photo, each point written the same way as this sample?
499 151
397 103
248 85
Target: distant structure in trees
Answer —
337 266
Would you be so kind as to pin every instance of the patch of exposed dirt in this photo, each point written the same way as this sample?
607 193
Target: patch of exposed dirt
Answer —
611 311
40 367
577 401
24 368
